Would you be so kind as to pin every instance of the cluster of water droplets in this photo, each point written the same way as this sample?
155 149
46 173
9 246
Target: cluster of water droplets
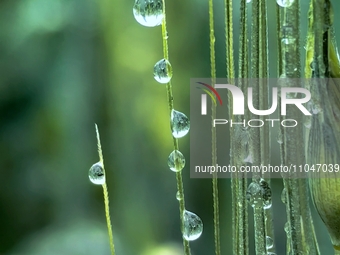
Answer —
193 226
285 3
148 13
259 194
97 174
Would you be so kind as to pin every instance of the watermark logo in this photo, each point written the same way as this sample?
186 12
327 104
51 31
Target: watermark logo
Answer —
238 99
208 91
224 108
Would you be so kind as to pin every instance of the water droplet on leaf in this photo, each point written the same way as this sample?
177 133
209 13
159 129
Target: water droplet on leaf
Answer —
241 145
193 226
162 71
176 161
254 194
267 194
148 13
285 3
180 124
287 227
259 194
284 196
307 122
288 41
269 242
279 137
178 196
97 174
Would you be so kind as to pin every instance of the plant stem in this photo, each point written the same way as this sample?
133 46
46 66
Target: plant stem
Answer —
240 181
170 99
229 38
213 131
239 214
336 250
264 104
259 138
106 195
107 215
297 206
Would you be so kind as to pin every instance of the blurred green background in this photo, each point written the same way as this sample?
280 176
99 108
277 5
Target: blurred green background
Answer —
67 64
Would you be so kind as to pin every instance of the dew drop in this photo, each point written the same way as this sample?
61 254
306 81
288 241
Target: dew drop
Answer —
254 194
162 71
148 13
178 196
285 3
248 1
241 145
279 137
267 194
307 122
316 108
180 124
287 228
284 196
269 242
176 161
193 226
288 38
97 174
249 158
288 41
259 194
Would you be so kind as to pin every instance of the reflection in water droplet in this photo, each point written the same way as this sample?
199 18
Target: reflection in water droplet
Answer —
193 226
148 13
97 174
162 71
180 124
176 161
